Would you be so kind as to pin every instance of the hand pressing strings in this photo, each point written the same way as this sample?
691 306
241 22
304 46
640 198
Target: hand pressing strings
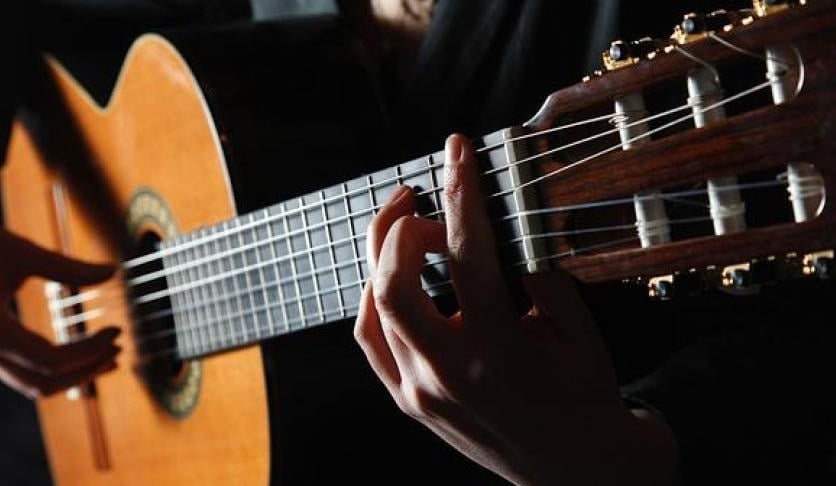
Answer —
532 398
29 363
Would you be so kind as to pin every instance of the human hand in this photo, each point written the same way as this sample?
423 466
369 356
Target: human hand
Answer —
29 363
532 398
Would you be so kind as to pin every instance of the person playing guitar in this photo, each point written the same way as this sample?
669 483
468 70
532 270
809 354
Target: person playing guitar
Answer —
534 399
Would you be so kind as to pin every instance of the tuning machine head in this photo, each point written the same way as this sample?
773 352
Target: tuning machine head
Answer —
696 26
763 8
622 54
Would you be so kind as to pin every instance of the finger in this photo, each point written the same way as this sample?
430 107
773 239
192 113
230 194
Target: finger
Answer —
34 384
399 298
369 335
35 260
555 296
474 263
32 351
401 203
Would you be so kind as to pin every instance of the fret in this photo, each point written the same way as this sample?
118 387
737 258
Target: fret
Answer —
292 265
188 316
217 247
230 264
352 293
185 344
291 248
192 298
419 176
272 272
260 234
309 244
332 254
435 163
381 185
250 279
204 297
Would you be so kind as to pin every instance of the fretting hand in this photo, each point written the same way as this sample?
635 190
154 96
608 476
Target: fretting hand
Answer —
29 363
533 399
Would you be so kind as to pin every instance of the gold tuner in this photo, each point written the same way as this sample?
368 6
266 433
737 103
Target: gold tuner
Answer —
622 54
768 7
695 26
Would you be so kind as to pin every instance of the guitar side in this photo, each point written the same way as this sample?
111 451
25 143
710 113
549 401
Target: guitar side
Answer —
156 136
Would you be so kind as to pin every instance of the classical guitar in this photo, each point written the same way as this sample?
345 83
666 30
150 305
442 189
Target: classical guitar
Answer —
608 181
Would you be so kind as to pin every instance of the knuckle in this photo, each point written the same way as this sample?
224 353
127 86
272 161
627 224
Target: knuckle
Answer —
420 402
389 298
361 332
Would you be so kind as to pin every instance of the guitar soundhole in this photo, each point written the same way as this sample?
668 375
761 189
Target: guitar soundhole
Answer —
153 318
173 383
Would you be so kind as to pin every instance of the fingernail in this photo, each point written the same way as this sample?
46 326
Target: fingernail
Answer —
453 149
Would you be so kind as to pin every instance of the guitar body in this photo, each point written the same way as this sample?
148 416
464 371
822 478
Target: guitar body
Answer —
144 444
90 180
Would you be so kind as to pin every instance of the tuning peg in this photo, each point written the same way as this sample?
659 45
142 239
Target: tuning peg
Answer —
768 7
622 54
696 26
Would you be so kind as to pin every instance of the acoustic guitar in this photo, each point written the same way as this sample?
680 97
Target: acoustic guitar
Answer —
608 181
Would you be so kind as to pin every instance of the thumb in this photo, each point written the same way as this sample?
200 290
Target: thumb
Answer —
555 296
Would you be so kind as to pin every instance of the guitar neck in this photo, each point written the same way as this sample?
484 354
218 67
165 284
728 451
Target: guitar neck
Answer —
299 263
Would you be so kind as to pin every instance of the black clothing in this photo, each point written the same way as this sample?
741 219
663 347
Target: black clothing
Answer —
746 383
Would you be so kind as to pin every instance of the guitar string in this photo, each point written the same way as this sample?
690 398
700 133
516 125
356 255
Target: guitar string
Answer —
612 117
116 297
574 165
299 300
71 319
672 123
360 282
86 296
141 260
173 270
395 180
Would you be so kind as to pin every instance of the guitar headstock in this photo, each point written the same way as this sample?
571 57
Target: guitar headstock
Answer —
704 157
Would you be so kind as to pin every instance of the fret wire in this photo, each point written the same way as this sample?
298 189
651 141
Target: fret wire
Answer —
222 305
191 299
161 253
182 332
426 287
333 254
293 271
230 296
249 285
312 263
237 303
199 272
271 325
372 198
176 247
354 240
435 186
190 316
279 291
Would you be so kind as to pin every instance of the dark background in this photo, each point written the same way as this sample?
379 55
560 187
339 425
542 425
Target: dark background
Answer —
91 37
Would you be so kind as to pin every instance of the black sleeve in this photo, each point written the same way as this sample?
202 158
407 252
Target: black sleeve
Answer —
754 403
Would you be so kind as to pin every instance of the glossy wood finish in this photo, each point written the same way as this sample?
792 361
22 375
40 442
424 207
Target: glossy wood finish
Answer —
155 133
799 130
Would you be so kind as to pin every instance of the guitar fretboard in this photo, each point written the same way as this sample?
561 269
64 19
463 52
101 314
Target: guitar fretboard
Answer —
299 263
